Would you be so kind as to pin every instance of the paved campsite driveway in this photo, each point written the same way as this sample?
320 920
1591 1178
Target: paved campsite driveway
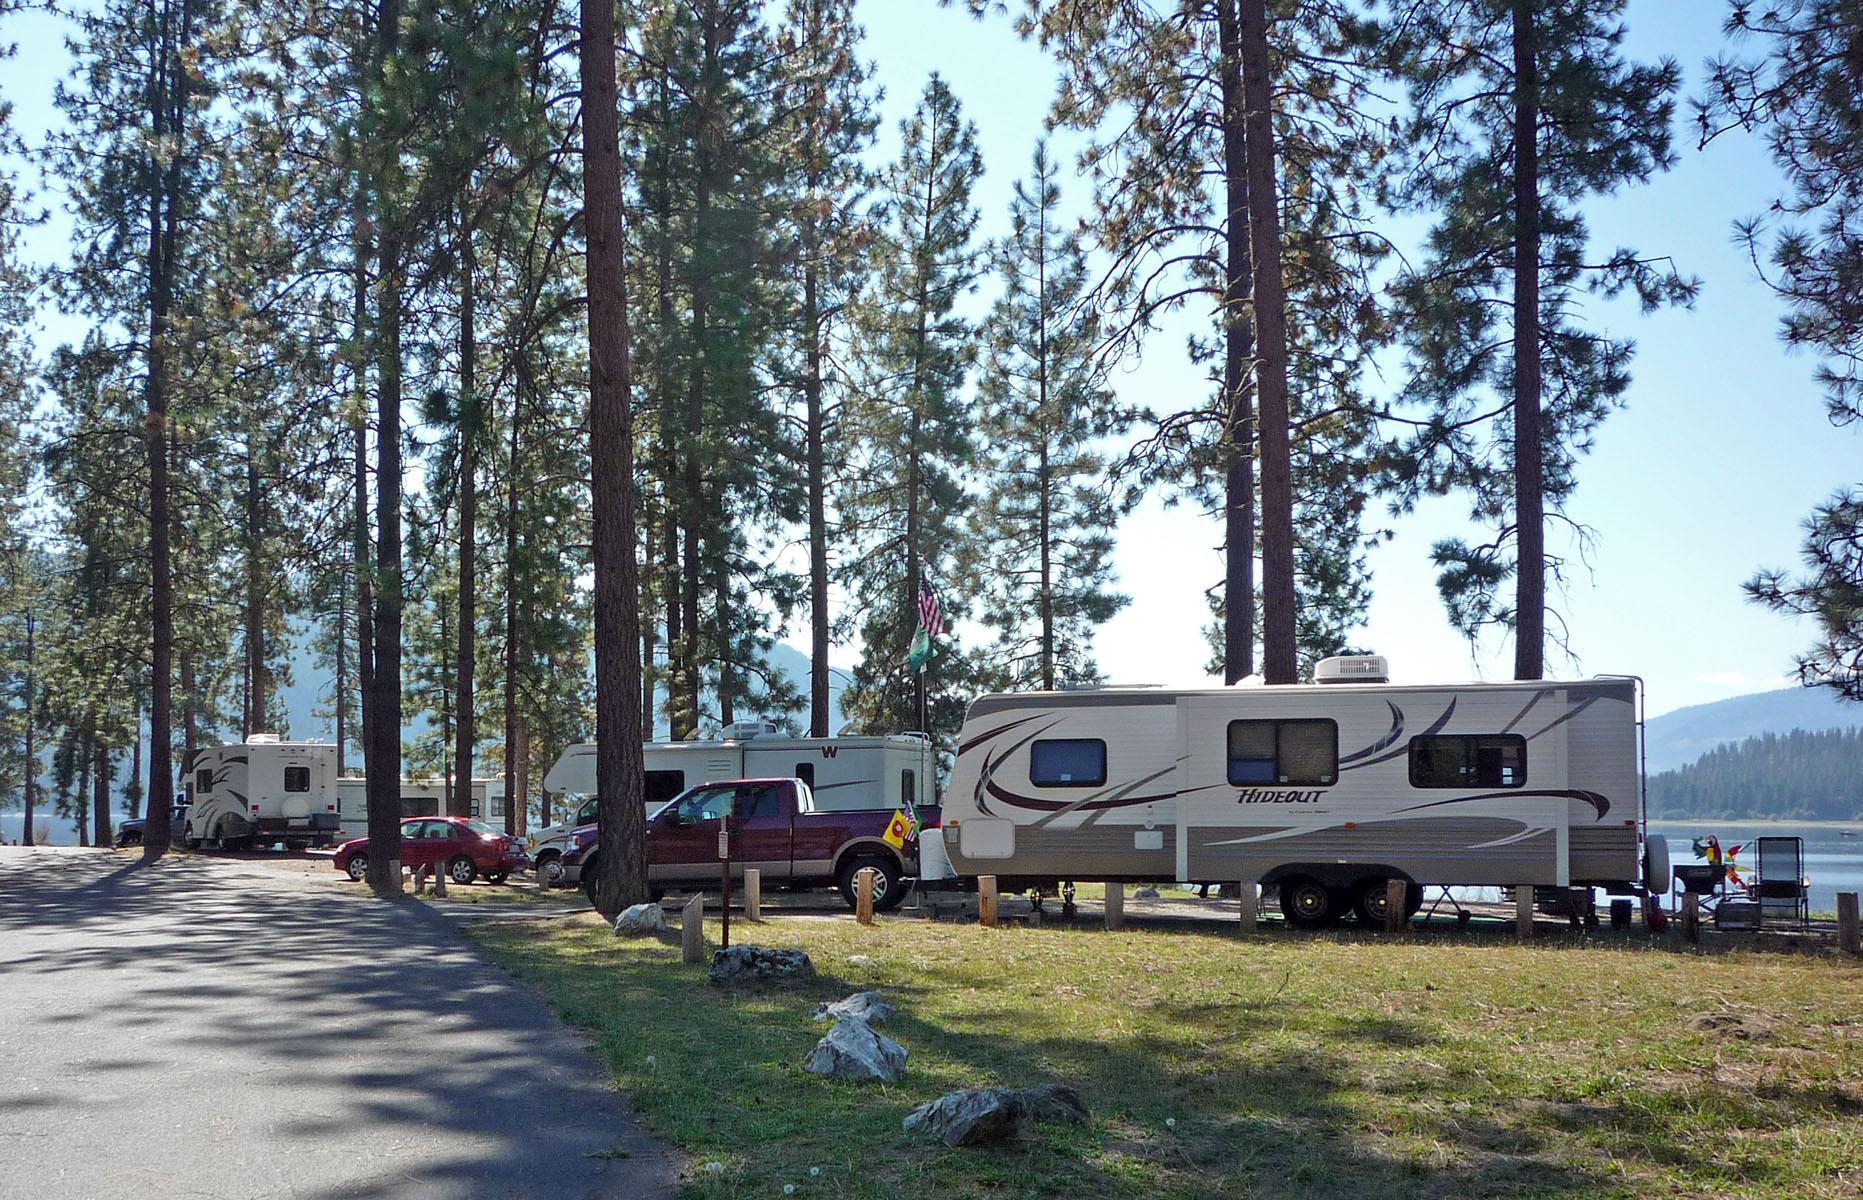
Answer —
207 1028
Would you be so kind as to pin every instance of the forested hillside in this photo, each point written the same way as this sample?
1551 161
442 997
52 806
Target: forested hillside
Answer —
1799 775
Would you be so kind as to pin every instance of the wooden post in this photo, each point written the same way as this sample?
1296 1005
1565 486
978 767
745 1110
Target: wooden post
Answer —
692 930
1523 910
439 880
1691 919
753 894
863 894
1396 909
1847 922
1250 917
1115 906
986 901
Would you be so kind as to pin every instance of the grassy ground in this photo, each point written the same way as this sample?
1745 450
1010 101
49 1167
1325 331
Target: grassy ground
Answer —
1283 1066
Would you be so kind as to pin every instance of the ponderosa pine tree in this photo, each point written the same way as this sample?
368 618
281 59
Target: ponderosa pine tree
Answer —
1042 568
622 879
1800 93
1517 111
824 89
909 426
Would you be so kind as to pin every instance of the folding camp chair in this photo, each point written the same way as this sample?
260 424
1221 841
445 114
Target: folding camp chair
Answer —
1781 890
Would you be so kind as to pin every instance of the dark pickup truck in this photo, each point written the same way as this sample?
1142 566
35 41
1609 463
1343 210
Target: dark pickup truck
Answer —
776 828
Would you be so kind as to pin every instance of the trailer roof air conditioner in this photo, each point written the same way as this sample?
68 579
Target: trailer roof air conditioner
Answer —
1352 668
740 730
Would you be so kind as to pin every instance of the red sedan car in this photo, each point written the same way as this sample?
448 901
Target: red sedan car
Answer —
463 848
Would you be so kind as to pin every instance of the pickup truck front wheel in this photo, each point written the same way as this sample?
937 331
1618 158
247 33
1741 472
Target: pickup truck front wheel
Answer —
888 891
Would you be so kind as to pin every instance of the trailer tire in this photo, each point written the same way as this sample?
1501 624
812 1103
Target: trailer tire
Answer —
496 876
357 867
462 870
1309 904
1369 901
887 889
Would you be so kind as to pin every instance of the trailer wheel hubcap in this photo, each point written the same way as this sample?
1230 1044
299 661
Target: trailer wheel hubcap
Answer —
1311 900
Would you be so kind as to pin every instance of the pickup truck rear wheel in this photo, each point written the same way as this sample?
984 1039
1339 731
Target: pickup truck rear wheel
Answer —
888 891
550 870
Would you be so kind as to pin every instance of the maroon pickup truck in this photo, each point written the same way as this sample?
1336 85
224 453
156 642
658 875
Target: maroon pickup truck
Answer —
775 828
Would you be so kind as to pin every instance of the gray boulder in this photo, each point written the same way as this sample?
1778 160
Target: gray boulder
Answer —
852 1050
864 1006
978 1116
642 920
759 964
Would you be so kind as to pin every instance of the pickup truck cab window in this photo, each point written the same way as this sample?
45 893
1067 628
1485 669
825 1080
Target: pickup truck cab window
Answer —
704 804
760 800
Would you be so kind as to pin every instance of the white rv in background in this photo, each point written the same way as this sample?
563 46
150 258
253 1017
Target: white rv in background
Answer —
419 798
844 773
1326 791
267 791
262 792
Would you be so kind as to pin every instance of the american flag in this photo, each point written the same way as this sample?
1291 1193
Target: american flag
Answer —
931 618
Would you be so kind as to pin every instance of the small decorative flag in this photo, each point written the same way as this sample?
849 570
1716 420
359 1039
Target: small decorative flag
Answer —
902 830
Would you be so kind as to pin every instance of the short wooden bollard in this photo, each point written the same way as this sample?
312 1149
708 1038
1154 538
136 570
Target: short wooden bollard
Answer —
753 894
1847 922
692 930
1523 911
1251 907
1691 919
1115 906
986 901
1396 906
439 881
863 894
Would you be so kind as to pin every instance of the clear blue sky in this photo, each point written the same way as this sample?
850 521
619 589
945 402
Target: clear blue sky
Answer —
1721 451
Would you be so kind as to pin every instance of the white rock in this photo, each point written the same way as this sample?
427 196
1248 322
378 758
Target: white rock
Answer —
852 1050
642 920
867 1006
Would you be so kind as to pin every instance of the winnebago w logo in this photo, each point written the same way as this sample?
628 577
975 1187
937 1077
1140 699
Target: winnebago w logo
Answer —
1277 796
830 751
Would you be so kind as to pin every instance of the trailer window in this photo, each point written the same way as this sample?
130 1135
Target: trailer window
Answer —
660 786
805 771
297 779
203 781
1263 753
908 788
1497 760
1068 762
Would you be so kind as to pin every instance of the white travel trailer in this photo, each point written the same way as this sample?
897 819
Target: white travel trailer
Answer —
263 791
1326 791
419 798
844 773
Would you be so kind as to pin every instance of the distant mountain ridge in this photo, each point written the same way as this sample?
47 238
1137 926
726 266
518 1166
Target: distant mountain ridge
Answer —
1678 738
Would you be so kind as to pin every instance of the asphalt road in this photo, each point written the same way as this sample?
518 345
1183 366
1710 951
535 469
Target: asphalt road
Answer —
206 1028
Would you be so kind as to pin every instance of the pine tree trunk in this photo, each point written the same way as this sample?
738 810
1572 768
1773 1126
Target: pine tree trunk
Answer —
513 648
342 682
1044 472
622 878
816 466
1238 389
1529 481
29 767
519 810
100 790
361 543
468 487
648 621
255 592
1280 657
727 676
678 726
79 803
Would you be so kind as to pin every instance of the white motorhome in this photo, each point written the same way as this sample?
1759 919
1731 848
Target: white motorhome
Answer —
844 773
1326 790
419 798
263 791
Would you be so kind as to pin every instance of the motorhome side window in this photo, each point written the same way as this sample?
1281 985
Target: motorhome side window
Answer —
1067 762
661 786
203 781
1496 760
297 779
908 788
805 771
1303 752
